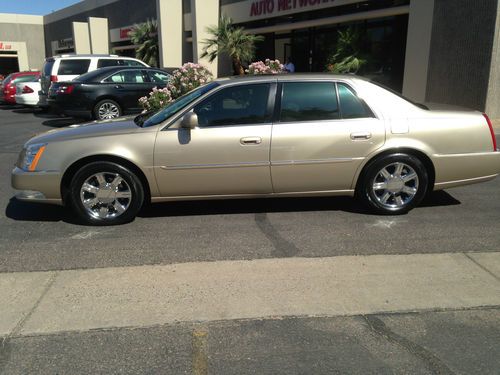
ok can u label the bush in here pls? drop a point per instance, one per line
(267, 67)
(185, 79)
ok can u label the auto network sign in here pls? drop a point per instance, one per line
(250, 10)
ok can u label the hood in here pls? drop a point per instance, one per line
(123, 125)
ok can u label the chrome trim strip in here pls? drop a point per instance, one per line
(211, 166)
(487, 153)
(467, 181)
(314, 161)
(325, 193)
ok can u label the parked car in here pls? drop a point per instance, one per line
(261, 136)
(8, 86)
(106, 93)
(68, 67)
(27, 93)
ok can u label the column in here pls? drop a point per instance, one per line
(205, 13)
(99, 35)
(418, 46)
(170, 32)
(81, 38)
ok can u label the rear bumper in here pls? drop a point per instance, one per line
(27, 100)
(37, 186)
(464, 169)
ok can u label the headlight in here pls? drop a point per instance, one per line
(30, 156)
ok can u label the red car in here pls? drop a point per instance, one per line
(8, 86)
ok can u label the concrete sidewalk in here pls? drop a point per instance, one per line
(80, 300)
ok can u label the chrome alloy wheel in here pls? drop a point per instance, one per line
(108, 111)
(105, 195)
(395, 185)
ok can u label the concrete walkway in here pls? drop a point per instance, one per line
(80, 300)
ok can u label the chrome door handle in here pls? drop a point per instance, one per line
(361, 136)
(251, 141)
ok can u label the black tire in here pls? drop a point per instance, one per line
(130, 185)
(109, 102)
(393, 195)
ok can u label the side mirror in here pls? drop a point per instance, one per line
(190, 120)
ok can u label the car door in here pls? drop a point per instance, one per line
(128, 86)
(228, 153)
(318, 143)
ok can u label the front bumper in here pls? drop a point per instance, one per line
(43, 186)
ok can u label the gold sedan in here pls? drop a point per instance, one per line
(263, 136)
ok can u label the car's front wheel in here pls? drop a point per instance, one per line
(106, 193)
(107, 109)
(393, 184)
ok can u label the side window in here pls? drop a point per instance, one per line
(72, 67)
(158, 77)
(235, 106)
(126, 76)
(102, 63)
(132, 63)
(309, 101)
(350, 105)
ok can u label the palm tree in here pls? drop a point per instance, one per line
(348, 57)
(145, 35)
(230, 40)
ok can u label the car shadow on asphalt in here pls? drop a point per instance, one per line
(270, 205)
(27, 211)
(30, 211)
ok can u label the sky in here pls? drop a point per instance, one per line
(40, 7)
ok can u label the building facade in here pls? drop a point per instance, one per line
(430, 50)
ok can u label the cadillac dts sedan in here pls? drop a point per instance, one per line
(262, 136)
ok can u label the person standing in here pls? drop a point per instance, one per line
(289, 67)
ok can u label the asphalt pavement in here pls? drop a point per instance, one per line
(40, 241)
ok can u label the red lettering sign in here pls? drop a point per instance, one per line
(5, 46)
(124, 33)
(268, 7)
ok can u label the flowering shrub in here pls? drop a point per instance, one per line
(184, 79)
(267, 67)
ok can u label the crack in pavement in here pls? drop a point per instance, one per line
(434, 364)
(5, 348)
(282, 247)
(481, 266)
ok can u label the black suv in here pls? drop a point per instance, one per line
(106, 93)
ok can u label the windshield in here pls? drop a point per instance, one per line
(176, 106)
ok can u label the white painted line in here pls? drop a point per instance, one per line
(150, 295)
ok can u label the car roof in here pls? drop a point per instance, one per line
(98, 74)
(74, 56)
(286, 77)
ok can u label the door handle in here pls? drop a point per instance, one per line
(119, 87)
(361, 136)
(251, 141)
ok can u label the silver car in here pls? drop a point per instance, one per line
(261, 136)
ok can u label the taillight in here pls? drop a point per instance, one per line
(65, 89)
(494, 140)
(27, 90)
(53, 78)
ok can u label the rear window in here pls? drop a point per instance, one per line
(26, 78)
(73, 67)
(351, 106)
(47, 68)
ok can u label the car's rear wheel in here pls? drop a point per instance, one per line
(393, 184)
(107, 109)
(106, 193)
